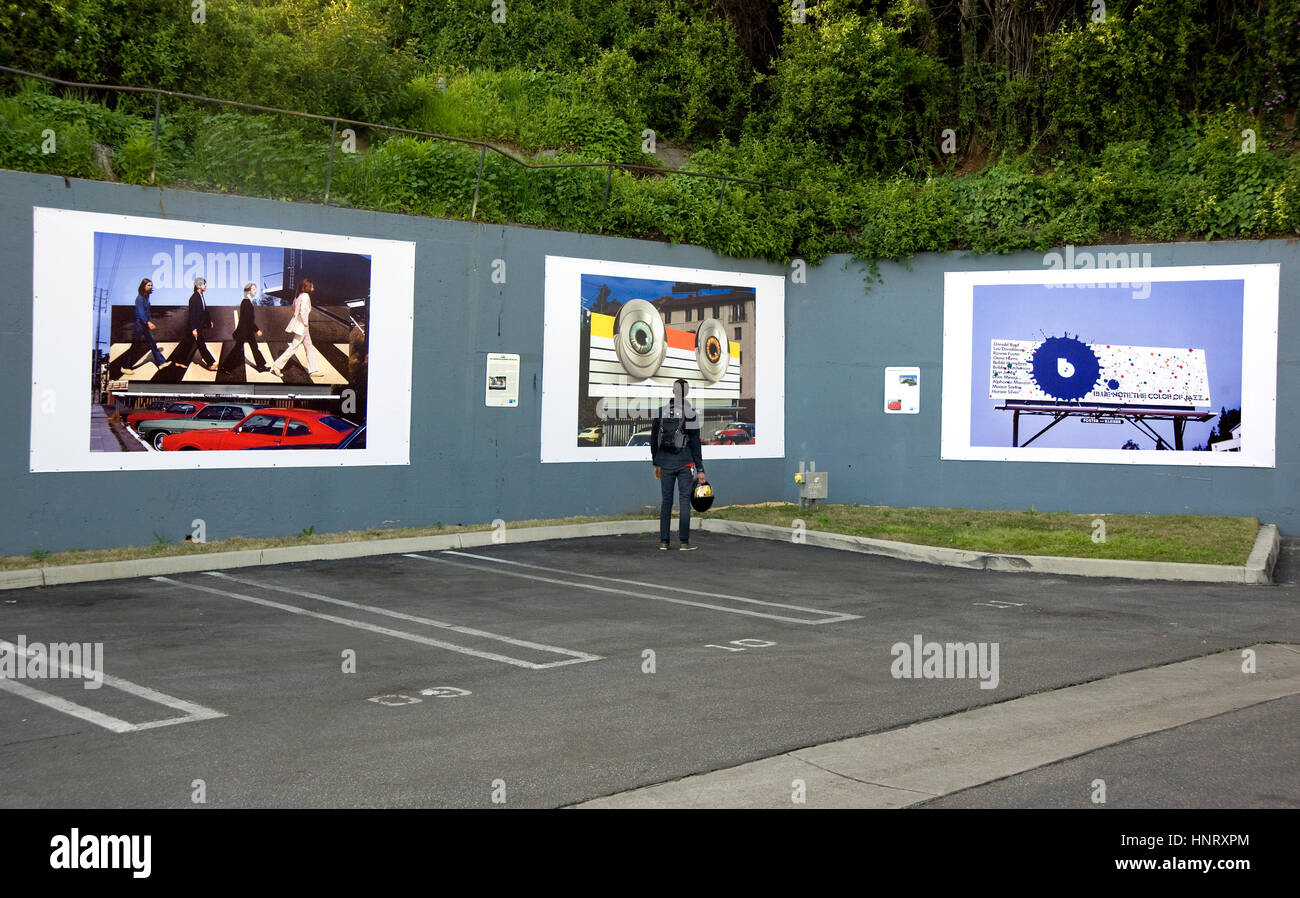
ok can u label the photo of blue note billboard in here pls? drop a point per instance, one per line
(1086, 371)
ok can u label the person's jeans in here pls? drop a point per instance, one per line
(682, 478)
(142, 345)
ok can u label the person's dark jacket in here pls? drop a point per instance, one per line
(200, 320)
(143, 314)
(247, 327)
(690, 453)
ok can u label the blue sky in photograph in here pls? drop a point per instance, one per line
(622, 289)
(1204, 315)
(123, 260)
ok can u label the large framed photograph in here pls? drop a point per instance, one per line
(619, 334)
(1165, 366)
(216, 346)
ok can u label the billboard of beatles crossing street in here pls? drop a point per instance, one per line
(207, 341)
(617, 337)
(1165, 366)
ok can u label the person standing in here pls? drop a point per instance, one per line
(358, 364)
(300, 327)
(200, 322)
(246, 334)
(142, 339)
(675, 451)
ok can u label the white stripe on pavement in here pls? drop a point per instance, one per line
(830, 617)
(192, 711)
(384, 631)
(469, 631)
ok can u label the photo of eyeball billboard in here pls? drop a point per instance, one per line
(1167, 366)
(210, 346)
(619, 334)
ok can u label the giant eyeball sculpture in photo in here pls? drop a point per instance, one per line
(711, 351)
(639, 338)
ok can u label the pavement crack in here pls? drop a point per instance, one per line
(40, 738)
(862, 781)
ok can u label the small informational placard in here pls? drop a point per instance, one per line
(902, 391)
(502, 387)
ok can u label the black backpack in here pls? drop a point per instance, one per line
(672, 434)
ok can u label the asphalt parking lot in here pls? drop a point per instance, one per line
(548, 674)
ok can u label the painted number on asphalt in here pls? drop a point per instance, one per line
(739, 645)
(397, 699)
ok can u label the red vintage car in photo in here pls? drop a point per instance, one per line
(734, 436)
(172, 410)
(269, 428)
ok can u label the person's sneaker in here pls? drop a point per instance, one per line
(663, 546)
(686, 547)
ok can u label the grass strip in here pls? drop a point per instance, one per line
(1198, 539)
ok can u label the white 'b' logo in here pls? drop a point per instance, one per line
(1064, 368)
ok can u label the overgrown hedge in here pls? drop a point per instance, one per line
(1199, 184)
(903, 126)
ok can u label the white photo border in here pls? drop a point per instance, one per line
(560, 353)
(63, 327)
(1258, 364)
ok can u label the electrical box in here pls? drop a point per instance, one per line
(815, 485)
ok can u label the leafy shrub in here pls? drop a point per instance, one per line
(25, 136)
(405, 174)
(849, 84)
(696, 83)
(259, 155)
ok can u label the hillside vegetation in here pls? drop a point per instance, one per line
(904, 126)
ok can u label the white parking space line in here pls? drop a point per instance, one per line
(574, 657)
(192, 711)
(374, 609)
(828, 617)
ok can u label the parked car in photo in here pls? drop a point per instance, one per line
(590, 435)
(213, 416)
(735, 425)
(640, 438)
(732, 437)
(355, 440)
(269, 428)
(170, 410)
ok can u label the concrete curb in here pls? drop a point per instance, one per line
(1258, 569)
(181, 564)
(1268, 545)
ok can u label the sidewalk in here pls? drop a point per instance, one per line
(918, 763)
(102, 438)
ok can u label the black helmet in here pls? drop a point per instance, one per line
(702, 497)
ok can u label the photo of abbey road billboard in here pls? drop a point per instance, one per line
(617, 337)
(1149, 366)
(218, 340)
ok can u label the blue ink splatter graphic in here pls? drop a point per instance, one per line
(1078, 355)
